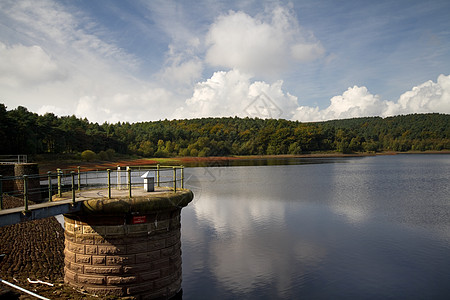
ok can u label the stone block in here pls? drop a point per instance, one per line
(75, 248)
(151, 275)
(156, 244)
(160, 263)
(172, 240)
(139, 288)
(87, 229)
(112, 250)
(78, 229)
(70, 275)
(105, 291)
(70, 256)
(120, 260)
(137, 248)
(115, 230)
(164, 282)
(98, 260)
(91, 249)
(77, 268)
(69, 227)
(84, 239)
(148, 256)
(110, 270)
(83, 259)
(118, 280)
(161, 225)
(99, 230)
(168, 271)
(100, 240)
(138, 228)
(94, 280)
(69, 236)
(166, 252)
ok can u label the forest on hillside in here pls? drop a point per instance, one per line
(25, 132)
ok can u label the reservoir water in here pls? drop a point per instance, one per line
(339, 228)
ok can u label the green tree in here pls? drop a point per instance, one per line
(88, 155)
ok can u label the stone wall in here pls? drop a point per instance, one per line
(34, 192)
(109, 255)
(7, 170)
(16, 186)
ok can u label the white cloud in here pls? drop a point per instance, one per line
(427, 97)
(60, 111)
(233, 93)
(54, 58)
(181, 69)
(182, 72)
(260, 45)
(354, 102)
(22, 66)
(359, 102)
(71, 67)
(141, 105)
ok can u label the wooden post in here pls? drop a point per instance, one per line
(1, 192)
(157, 175)
(182, 177)
(174, 179)
(109, 183)
(79, 178)
(50, 186)
(25, 191)
(73, 186)
(59, 182)
(129, 182)
(119, 177)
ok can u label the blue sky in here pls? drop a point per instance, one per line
(149, 60)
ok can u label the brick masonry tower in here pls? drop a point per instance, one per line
(126, 247)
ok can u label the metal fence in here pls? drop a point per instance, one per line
(13, 159)
(41, 188)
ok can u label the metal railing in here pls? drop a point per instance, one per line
(45, 187)
(13, 159)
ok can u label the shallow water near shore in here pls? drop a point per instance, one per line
(365, 227)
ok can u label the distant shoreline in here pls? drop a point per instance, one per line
(52, 166)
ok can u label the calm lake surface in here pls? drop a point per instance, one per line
(339, 228)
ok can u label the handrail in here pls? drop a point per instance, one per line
(70, 180)
(13, 159)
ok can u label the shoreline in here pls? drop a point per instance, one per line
(45, 166)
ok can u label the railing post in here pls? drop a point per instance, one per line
(157, 175)
(119, 177)
(128, 173)
(129, 182)
(174, 179)
(73, 185)
(1, 192)
(182, 177)
(109, 183)
(25, 191)
(79, 178)
(59, 182)
(50, 192)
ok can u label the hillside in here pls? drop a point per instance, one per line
(25, 132)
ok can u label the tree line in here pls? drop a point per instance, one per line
(25, 132)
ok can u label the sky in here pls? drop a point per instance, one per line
(141, 60)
